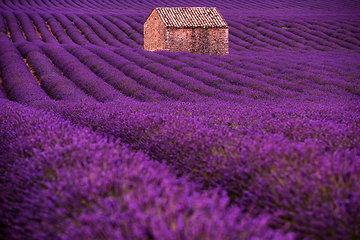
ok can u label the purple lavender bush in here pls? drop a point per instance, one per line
(64, 182)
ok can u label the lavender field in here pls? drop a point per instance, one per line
(100, 139)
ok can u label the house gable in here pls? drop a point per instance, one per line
(154, 32)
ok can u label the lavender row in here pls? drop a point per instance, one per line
(253, 74)
(86, 30)
(100, 31)
(293, 35)
(237, 44)
(117, 31)
(335, 69)
(52, 81)
(288, 159)
(244, 40)
(85, 186)
(335, 30)
(71, 30)
(5, 7)
(42, 28)
(130, 28)
(144, 77)
(16, 33)
(316, 36)
(264, 37)
(276, 37)
(113, 76)
(313, 81)
(56, 29)
(350, 26)
(3, 27)
(188, 83)
(280, 34)
(28, 28)
(107, 4)
(319, 81)
(139, 18)
(17, 80)
(229, 76)
(253, 37)
(2, 91)
(31, 4)
(83, 4)
(82, 76)
(133, 23)
(46, 6)
(195, 73)
(339, 65)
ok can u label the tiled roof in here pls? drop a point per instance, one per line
(192, 17)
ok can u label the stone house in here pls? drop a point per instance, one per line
(194, 29)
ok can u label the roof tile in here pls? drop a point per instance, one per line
(192, 17)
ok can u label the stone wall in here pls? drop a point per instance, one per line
(219, 39)
(213, 41)
(154, 33)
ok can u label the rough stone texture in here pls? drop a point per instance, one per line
(198, 40)
(207, 39)
(154, 33)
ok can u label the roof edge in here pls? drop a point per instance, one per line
(189, 27)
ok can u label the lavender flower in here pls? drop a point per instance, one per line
(100, 139)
